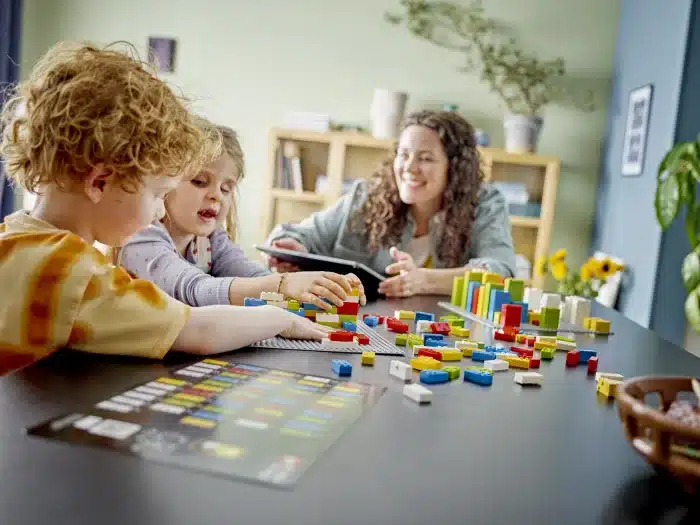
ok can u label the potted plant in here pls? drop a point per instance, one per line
(584, 282)
(676, 181)
(524, 83)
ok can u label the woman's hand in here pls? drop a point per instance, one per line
(285, 243)
(410, 280)
(310, 287)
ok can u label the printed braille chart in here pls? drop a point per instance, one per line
(228, 419)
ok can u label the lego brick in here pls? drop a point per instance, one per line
(458, 331)
(566, 346)
(348, 308)
(547, 353)
(502, 354)
(400, 370)
(550, 300)
(251, 301)
(367, 358)
(271, 296)
(520, 339)
(405, 315)
(413, 339)
(522, 351)
(428, 352)
(551, 339)
(467, 347)
(497, 300)
(539, 345)
(370, 320)
(352, 299)
(355, 291)
(609, 375)
(580, 309)
(500, 335)
(434, 377)
(424, 316)
(593, 365)
(344, 318)
(418, 393)
(497, 317)
(491, 278)
(400, 340)
(433, 337)
(471, 294)
(485, 297)
(474, 275)
(549, 317)
(423, 326)
(528, 378)
(585, 355)
(311, 307)
(299, 312)
(341, 335)
(293, 304)
(511, 314)
(440, 328)
(327, 318)
(456, 323)
(394, 325)
(534, 362)
(496, 365)
(341, 367)
(279, 304)
(349, 326)
(457, 291)
(452, 372)
(425, 363)
(362, 339)
(479, 376)
(450, 354)
(435, 343)
(474, 303)
(517, 362)
(532, 297)
(481, 355)
(516, 288)
(607, 387)
(572, 358)
(601, 326)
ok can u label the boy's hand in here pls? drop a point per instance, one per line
(285, 243)
(302, 328)
(310, 287)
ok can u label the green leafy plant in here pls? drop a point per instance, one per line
(676, 180)
(524, 83)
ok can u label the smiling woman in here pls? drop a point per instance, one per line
(423, 218)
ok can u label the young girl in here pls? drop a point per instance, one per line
(190, 253)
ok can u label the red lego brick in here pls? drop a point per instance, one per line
(348, 309)
(511, 314)
(396, 326)
(500, 335)
(430, 353)
(440, 328)
(534, 362)
(341, 335)
(475, 300)
(536, 322)
(522, 351)
(530, 341)
(593, 365)
(362, 339)
(572, 358)
(381, 319)
(510, 330)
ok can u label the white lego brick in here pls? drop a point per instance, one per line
(580, 309)
(532, 297)
(280, 304)
(496, 365)
(352, 299)
(565, 313)
(423, 326)
(271, 296)
(327, 318)
(400, 370)
(609, 375)
(528, 378)
(417, 393)
(339, 344)
(461, 345)
(550, 300)
(567, 346)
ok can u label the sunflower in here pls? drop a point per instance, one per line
(559, 270)
(609, 267)
(558, 257)
(540, 266)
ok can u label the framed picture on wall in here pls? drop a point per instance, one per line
(633, 150)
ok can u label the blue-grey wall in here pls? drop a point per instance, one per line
(651, 48)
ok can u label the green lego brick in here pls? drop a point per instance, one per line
(293, 304)
(348, 317)
(400, 340)
(567, 339)
(452, 372)
(516, 288)
(481, 345)
(457, 291)
(547, 353)
(456, 322)
(549, 318)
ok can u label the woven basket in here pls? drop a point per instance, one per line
(658, 438)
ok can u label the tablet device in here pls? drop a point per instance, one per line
(312, 262)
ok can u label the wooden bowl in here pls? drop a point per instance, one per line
(658, 438)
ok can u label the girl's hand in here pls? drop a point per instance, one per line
(410, 280)
(310, 287)
(285, 243)
(303, 328)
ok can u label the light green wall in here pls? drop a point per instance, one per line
(248, 62)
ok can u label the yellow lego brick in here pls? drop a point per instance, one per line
(213, 382)
(473, 276)
(450, 354)
(601, 326)
(490, 277)
(189, 397)
(533, 316)
(567, 339)
(179, 402)
(458, 331)
(517, 362)
(425, 363)
(215, 362)
(607, 387)
(198, 422)
(588, 323)
(171, 381)
(355, 292)
(467, 347)
(367, 358)
(520, 338)
(546, 339)
(497, 317)
(404, 315)
(540, 345)
(209, 388)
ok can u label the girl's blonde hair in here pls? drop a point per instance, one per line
(231, 146)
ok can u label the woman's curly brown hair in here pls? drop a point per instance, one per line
(383, 215)
(82, 107)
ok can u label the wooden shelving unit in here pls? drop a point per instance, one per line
(343, 156)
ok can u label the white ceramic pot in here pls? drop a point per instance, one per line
(387, 112)
(522, 132)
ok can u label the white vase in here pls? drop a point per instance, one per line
(387, 112)
(522, 132)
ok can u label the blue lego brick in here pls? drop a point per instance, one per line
(311, 306)
(433, 337)
(433, 377)
(471, 290)
(252, 301)
(349, 326)
(299, 312)
(496, 302)
(341, 367)
(482, 355)
(424, 316)
(480, 377)
(494, 348)
(371, 320)
(523, 318)
(434, 343)
(585, 355)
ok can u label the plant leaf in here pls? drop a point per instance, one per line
(692, 224)
(667, 200)
(690, 270)
(692, 309)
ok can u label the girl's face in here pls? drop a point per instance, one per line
(198, 206)
(420, 167)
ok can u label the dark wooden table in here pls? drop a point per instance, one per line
(498, 455)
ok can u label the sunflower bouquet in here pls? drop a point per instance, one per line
(584, 282)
